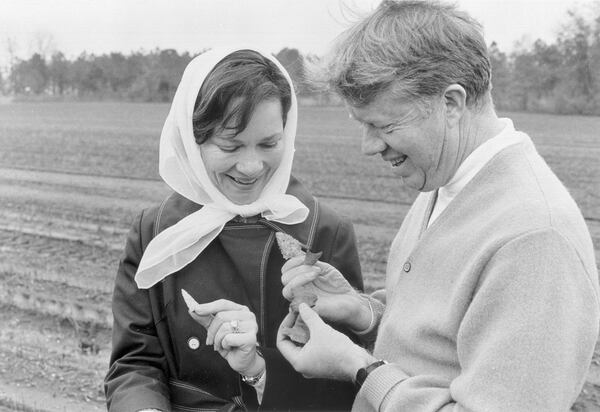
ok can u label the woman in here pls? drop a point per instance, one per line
(226, 150)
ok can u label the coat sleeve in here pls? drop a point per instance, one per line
(287, 388)
(136, 378)
(344, 254)
(524, 344)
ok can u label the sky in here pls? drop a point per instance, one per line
(103, 26)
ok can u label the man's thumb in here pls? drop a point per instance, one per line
(309, 316)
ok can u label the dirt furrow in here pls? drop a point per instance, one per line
(61, 237)
(50, 363)
(74, 263)
(55, 298)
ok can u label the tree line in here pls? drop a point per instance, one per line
(149, 77)
(559, 77)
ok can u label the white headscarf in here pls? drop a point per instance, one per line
(182, 168)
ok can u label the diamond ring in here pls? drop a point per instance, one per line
(235, 326)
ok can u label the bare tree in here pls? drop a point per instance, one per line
(12, 52)
(44, 44)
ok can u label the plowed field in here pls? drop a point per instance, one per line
(73, 176)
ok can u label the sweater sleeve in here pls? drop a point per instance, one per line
(377, 306)
(135, 379)
(524, 344)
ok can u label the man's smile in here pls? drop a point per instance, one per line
(398, 161)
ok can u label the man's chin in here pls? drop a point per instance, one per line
(411, 183)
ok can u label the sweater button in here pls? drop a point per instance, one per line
(406, 267)
(193, 343)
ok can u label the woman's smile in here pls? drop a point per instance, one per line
(244, 182)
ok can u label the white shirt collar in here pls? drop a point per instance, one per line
(473, 164)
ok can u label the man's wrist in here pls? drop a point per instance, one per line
(361, 314)
(359, 359)
(363, 373)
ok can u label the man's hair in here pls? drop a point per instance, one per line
(415, 48)
(245, 75)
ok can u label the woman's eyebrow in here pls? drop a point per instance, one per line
(235, 139)
(273, 136)
(226, 139)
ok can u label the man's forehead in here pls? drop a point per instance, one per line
(386, 107)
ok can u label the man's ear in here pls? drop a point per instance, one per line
(455, 99)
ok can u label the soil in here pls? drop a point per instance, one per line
(51, 364)
(58, 259)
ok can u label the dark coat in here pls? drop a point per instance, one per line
(153, 364)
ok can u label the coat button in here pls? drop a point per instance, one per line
(193, 343)
(406, 267)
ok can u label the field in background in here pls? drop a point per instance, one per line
(73, 176)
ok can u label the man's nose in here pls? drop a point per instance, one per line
(371, 142)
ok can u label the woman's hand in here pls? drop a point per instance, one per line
(337, 300)
(232, 333)
(327, 354)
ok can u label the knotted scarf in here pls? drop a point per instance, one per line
(182, 168)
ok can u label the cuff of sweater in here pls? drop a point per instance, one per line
(377, 307)
(379, 383)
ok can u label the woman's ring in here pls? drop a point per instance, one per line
(235, 326)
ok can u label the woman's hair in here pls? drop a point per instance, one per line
(233, 89)
(414, 48)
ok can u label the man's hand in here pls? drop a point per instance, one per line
(337, 301)
(327, 354)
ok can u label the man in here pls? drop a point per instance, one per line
(491, 300)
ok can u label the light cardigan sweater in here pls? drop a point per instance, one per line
(473, 164)
(494, 306)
